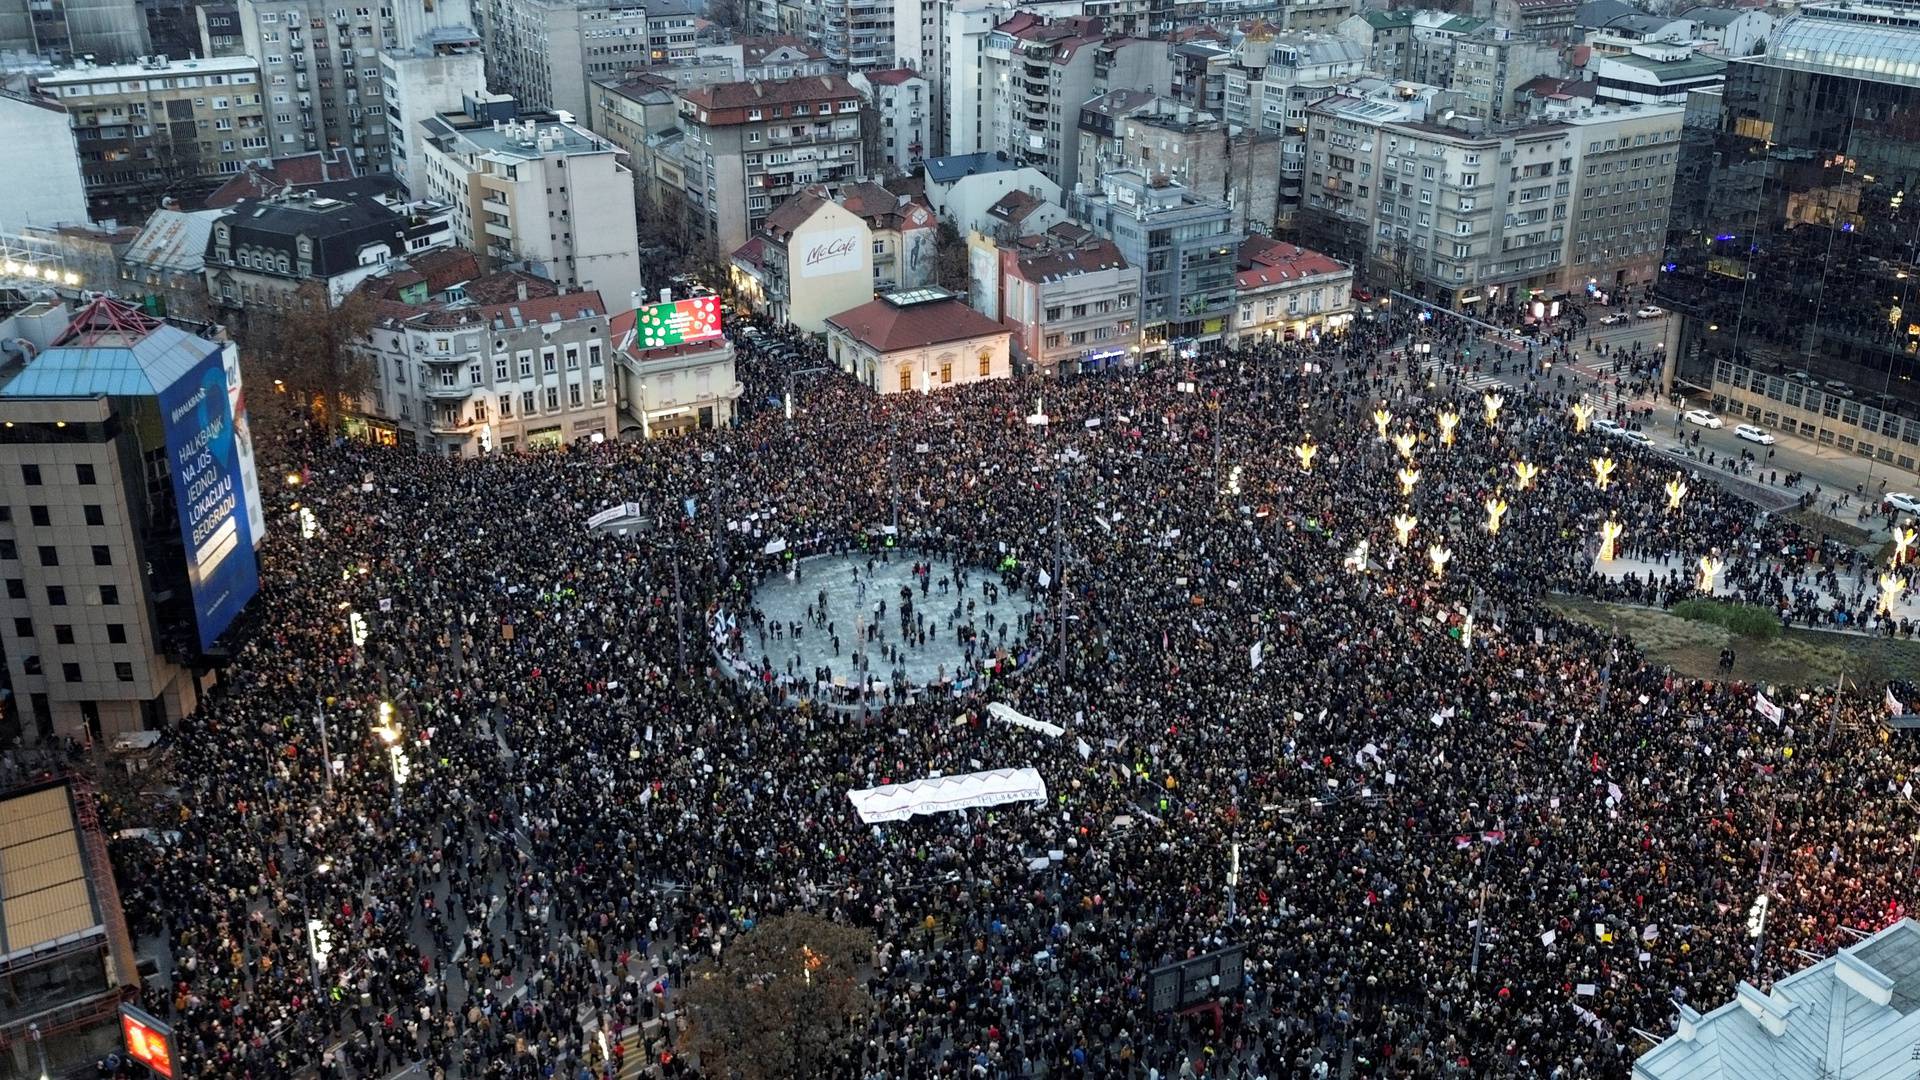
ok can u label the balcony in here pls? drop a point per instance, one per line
(448, 393)
(443, 426)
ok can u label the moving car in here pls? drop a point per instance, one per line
(1606, 426)
(1638, 438)
(1754, 434)
(1649, 312)
(1902, 501)
(1703, 418)
(1611, 320)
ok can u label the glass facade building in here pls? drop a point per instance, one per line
(1791, 257)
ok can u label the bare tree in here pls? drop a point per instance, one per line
(950, 267)
(785, 999)
(303, 359)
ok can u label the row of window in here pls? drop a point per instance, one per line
(104, 596)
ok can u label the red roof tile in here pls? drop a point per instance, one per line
(757, 92)
(885, 327)
(893, 77)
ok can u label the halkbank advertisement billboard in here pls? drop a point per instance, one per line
(210, 457)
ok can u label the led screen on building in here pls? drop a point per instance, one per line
(209, 462)
(677, 322)
(149, 1041)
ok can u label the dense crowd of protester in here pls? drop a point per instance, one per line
(1485, 848)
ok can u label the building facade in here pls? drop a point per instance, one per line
(1627, 158)
(49, 186)
(1793, 283)
(261, 254)
(918, 340)
(463, 379)
(674, 389)
(1071, 302)
(1284, 292)
(1185, 248)
(320, 71)
(546, 53)
(899, 100)
(431, 78)
(537, 194)
(818, 260)
(161, 126)
(752, 144)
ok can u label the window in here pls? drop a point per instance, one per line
(31, 665)
(70, 671)
(9, 550)
(63, 633)
(473, 375)
(500, 371)
(91, 512)
(547, 361)
(109, 595)
(946, 372)
(553, 399)
(22, 627)
(526, 365)
(506, 405)
(1054, 313)
(49, 555)
(599, 391)
(573, 358)
(593, 355)
(573, 395)
(986, 364)
(56, 596)
(30, 474)
(102, 555)
(84, 473)
(16, 588)
(906, 378)
(117, 633)
(526, 401)
(123, 671)
(39, 516)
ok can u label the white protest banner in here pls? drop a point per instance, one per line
(1085, 750)
(1894, 705)
(1005, 713)
(1766, 708)
(1549, 938)
(774, 547)
(936, 795)
(1257, 654)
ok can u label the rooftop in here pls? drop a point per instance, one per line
(1851, 1015)
(1877, 42)
(1695, 66)
(155, 68)
(173, 240)
(1267, 262)
(945, 170)
(1067, 261)
(912, 319)
(530, 139)
(757, 92)
(110, 348)
(892, 76)
(44, 892)
(1713, 16)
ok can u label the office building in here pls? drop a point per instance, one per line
(459, 378)
(69, 960)
(128, 551)
(749, 145)
(1793, 285)
(48, 186)
(1654, 74)
(537, 194)
(1184, 246)
(899, 100)
(161, 127)
(917, 339)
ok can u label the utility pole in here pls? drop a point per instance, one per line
(326, 755)
(1060, 571)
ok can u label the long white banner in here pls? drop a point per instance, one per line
(1006, 714)
(938, 795)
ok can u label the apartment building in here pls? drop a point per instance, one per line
(749, 145)
(1627, 162)
(161, 126)
(320, 70)
(1491, 64)
(1038, 74)
(463, 379)
(1465, 218)
(61, 31)
(538, 194)
(899, 100)
(1277, 75)
(943, 40)
(1245, 167)
(748, 58)
(546, 53)
(1185, 248)
(1071, 300)
(1545, 20)
(434, 76)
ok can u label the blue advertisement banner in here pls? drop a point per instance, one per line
(204, 455)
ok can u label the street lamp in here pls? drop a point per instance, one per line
(1581, 412)
(1305, 452)
(1439, 556)
(1403, 442)
(1492, 404)
(1709, 569)
(1891, 586)
(1381, 418)
(1403, 528)
(1676, 490)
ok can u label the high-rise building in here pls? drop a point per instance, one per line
(104, 31)
(538, 194)
(546, 53)
(434, 76)
(161, 127)
(1794, 284)
(899, 97)
(129, 464)
(1185, 247)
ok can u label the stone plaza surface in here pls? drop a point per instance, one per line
(855, 586)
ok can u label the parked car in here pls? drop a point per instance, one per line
(1607, 426)
(1703, 418)
(1638, 438)
(1612, 320)
(1901, 501)
(1754, 434)
(1835, 386)
(1649, 312)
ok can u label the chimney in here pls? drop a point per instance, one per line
(520, 289)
